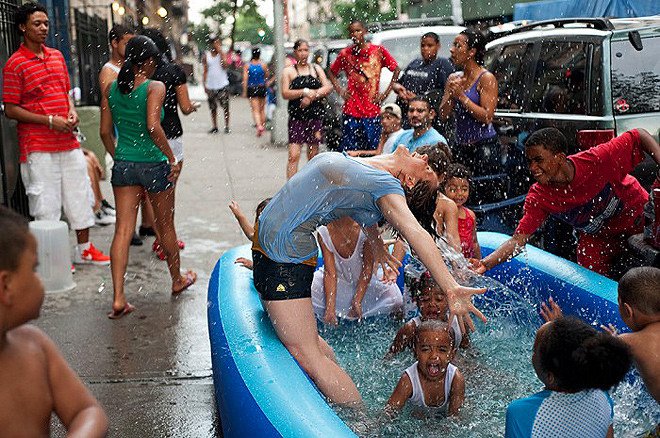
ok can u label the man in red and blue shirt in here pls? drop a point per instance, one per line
(362, 63)
(53, 167)
(591, 191)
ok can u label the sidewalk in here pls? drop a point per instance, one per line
(152, 369)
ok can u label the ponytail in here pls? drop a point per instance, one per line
(126, 77)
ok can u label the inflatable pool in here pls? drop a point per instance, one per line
(261, 390)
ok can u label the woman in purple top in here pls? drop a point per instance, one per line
(471, 95)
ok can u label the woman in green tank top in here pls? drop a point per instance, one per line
(143, 161)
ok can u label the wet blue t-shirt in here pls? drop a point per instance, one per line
(332, 185)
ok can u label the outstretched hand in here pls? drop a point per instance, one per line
(477, 266)
(460, 306)
(388, 262)
(551, 312)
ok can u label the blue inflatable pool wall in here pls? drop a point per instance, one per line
(260, 389)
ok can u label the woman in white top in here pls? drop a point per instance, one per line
(346, 285)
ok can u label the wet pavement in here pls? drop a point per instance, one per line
(151, 370)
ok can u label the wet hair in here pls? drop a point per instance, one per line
(457, 170)
(421, 200)
(299, 43)
(476, 40)
(640, 288)
(550, 138)
(417, 285)
(433, 35)
(13, 239)
(23, 13)
(157, 37)
(118, 31)
(260, 208)
(580, 357)
(439, 157)
(138, 50)
(421, 99)
(434, 325)
(256, 53)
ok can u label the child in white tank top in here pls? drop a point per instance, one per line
(432, 384)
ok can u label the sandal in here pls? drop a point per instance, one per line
(191, 278)
(117, 314)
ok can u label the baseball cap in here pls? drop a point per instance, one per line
(392, 108)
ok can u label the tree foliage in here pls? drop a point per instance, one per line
(367, 11)
(248, 27)
(201, 33)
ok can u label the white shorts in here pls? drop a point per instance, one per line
(176, 144)
(59, 179)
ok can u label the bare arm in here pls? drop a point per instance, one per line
(329, 283)
(510, 248)
(22, 115)
(326, 85)
(183, 98)
(401, 394)
(245, 78)
(223, 60)
(106, 128)
(288, 93)
(396, 212)
(363, 281)
(447, 210)
(485, 110)
(76, 407)
(243, 222)
(475, 242)
(457, 393)
(206, 72)
(402, 340)
(155, 99)
(335, 84)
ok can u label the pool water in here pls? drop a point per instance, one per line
(497, 368)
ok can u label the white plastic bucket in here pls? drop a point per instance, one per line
(54, 255)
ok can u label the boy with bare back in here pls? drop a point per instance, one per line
(35, 380)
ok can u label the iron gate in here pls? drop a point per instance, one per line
(92, 48)
(12, 192)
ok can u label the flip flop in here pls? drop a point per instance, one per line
(191, 277)
(117, 314)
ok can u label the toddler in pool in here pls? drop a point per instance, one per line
(457, 188)
(432, 384)
(432, 303)
(577, 365)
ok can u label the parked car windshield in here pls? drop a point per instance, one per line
(636, 77)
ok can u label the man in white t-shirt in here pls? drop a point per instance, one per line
(216, 82)
(390, 120)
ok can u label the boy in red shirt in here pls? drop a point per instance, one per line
(362, 64)
(53, 168)
(590, 190)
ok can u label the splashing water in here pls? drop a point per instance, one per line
(497, 367)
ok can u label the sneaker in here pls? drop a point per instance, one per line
(227, 130)
(91, 256)
(103, 219)
(107, 208)
(73, 269)
(213, 131)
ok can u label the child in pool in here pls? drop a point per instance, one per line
(432, 304)
(35, 379)
(577, 365)
(457, 188)
(432, 383)
(347, 285)
(246, 226)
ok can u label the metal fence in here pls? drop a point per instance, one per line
(92, 48)
(12, 192)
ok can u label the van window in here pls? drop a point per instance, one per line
(559, 84)
(403, 49)
(509, 69)
(636, 77)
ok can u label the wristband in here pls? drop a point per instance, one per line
(50, 122)
(305, 91)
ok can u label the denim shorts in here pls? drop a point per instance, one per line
(150, 175)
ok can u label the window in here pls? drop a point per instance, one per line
(403, 49)
(636, 77)
(560, 78)
(509, 69)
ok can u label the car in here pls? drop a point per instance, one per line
(592, 78)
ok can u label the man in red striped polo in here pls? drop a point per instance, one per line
(53, 168)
